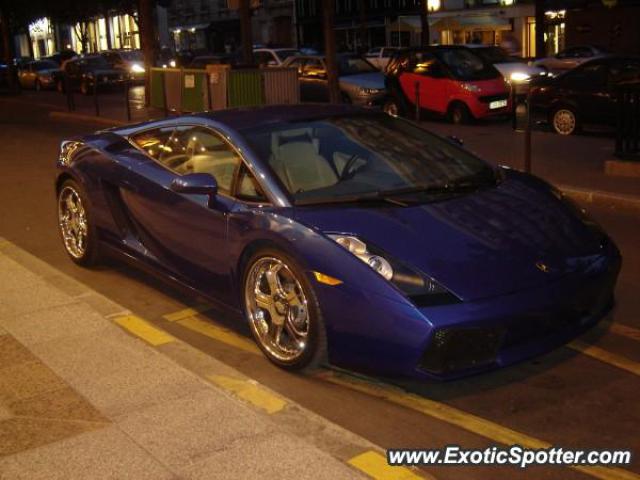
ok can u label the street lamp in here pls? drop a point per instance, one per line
(433, 5)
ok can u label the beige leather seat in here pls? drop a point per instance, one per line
(299, 164)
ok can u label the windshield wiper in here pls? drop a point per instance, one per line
(375, 197)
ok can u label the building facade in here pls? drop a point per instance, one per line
(213, 25)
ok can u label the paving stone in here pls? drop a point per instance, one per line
(23, 433)
(13, 352)
(15, 276)
(276, 456)
(115, 372)
(26, 380)
(19, 301)
(63, 404)
(54, 323)
(186, 430)
(5, 413)
(100, 455)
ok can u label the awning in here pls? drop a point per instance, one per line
(473, 23)
(409, 23)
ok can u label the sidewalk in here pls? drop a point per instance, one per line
(82, 398)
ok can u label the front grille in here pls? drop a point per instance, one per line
(454, 349)
(493, 98)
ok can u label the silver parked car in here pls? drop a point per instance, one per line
(570, 58)
(380, 56)
(360, 82)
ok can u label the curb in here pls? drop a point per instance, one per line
(603, 198)
(86, 118)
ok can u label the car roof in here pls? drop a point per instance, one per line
(252, 117)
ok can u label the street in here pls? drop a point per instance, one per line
(574, 397)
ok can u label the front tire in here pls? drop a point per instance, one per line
(76, 226)
(283, 312)
(459, 114)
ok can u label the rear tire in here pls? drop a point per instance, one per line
(76, 225)
(391, 107)
(459, 114)
(564, 120)
(291, 308)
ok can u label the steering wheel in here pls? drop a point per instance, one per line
(346, 171)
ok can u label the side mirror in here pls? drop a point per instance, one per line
(196, 184)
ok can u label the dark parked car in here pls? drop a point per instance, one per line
(39, 75)
(84, 73)
(130, 61)
(570, 58)
(360, 82)
(222, 59)
(62, 56)
(585, 95)
(342, 234)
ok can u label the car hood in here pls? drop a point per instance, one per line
(365, 80)
(488, 243)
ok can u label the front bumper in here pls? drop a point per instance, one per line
(481, 107)
(451, 341)
(375, 100)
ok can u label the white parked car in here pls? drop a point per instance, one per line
(513, 69)
(570, 58)
(273, 57)
(380, 56)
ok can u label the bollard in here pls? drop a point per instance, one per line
(417, 86)
(127, 86)
(527, 134)
(66, 82)
(514, 107)
(95, 97)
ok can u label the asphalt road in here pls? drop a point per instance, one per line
(565, 398)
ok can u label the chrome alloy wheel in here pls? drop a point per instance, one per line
(277, 309)
(564, 121)
(72, 219)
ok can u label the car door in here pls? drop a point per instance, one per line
(426, 78)
(185, 233)
(588, 88)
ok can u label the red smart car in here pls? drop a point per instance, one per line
(448, 81)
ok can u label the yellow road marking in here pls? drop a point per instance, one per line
(625, 331)
(606, 356)
(220, 334)
(187, 312)
(466, 421)
(144, 330)
(251, 392)
(376, 466)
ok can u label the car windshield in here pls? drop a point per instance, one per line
(284, 54)
(45, 65)
(131, 56)
(348, 65)
(97, 62)
(494, 55)
(466, 65)
(359, 157)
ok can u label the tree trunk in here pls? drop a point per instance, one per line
(541, 49)
(246, 35)
(328, 14)
(362, 10)
(107, 33)
(147, 42)
(425, 38)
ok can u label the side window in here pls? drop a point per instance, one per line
(594, 75)
(248, 188)
(153, 142)
(623, 73)
(200, 150)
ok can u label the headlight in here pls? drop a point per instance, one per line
(369, 91)
(470, 87)
(520, 77)
(412, 283)
(137, 68)
(172, 64)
